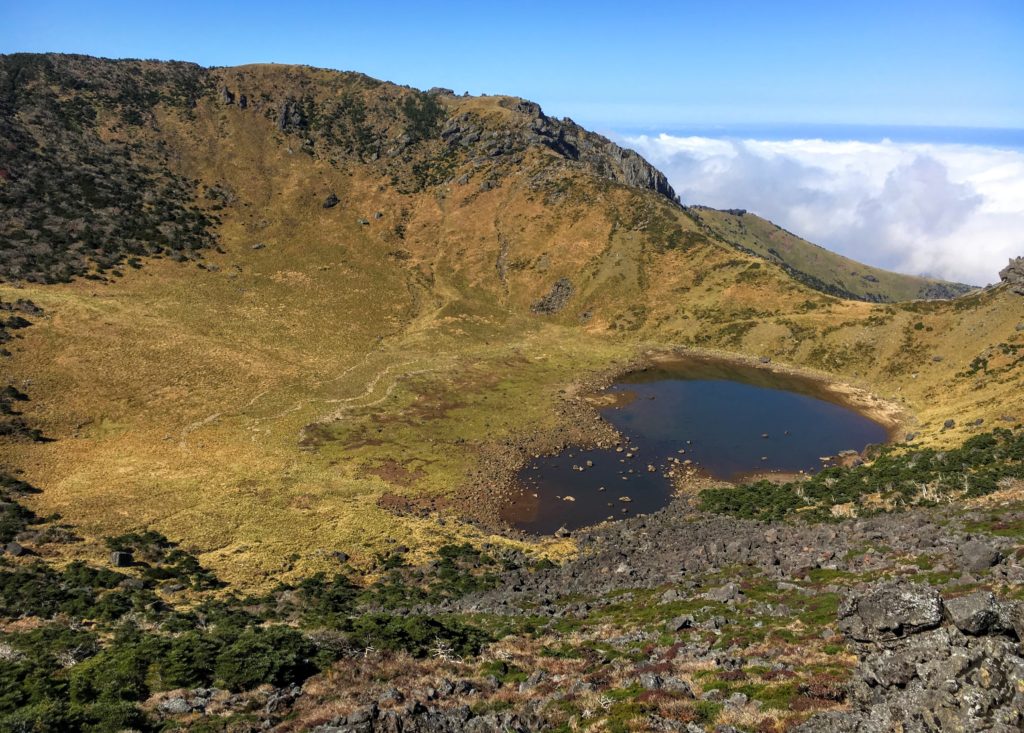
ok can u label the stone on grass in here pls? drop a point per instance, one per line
(890, 610)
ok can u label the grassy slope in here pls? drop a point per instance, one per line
(186, 413)
(778, 245)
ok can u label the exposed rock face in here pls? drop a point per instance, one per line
(555, 300)
(1013, 275)
(890, 611)
(292, 116)
(565, 138)
(943, 291)
(965, 676)
(976, 614)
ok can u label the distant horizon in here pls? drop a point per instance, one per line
(674, 64)
(775, 129)
(991, 135)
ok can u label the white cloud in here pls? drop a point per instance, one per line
(953, 211)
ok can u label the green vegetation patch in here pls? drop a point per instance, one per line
(897, 478)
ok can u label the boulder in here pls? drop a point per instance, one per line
(677, 686)
(890, 610)
(533, 680)
(671, 596)
(978, 555)
(727, 592)
(651, 681)
(975, 614)
(175, 706)
(331, 201)
(120, 559)
(679, 623)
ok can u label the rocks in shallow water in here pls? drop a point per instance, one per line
(890, 610)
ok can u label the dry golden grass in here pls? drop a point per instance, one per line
(179, 396)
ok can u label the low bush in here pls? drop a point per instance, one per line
(897, 478)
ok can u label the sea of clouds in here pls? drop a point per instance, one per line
(947, 210)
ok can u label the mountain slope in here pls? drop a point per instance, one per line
(363, 298)
(816, 266)
(278, 337)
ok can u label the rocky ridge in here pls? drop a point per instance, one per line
(1013, 275)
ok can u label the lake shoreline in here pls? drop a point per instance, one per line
(591, 396)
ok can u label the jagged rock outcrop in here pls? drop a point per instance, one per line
(292, 116)
(965, 675)
(556, 298)
(1013, 275)
(564, 137)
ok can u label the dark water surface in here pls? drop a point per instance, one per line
(714, 414)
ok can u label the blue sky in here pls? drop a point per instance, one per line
(607, 65)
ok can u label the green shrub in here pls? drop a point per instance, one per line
(417, 635)
(47, 716)
(276, 655)
(118, 673)
(902, 477)
(189, 661)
